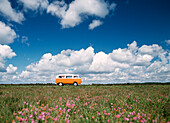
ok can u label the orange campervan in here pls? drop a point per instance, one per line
(68, 79)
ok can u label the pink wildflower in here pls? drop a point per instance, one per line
(117, 116)
(68, 103)
(56, 107)
(134, 118)
(68, 110)
(35, 112)
(68, 121)
(98, 113)
(39, 117)
(42, 113)
(55, 119)
(49, 109)
(26, 110)
(20, 112)
(144, 120)
(127, 119)
(30, 116)
(43, 118)
(60, 98)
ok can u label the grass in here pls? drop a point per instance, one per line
(126, 103)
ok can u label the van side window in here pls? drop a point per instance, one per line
(68, 76)
(76, 77)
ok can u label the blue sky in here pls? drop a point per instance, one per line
(37, 29)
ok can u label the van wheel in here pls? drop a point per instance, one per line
(75, 84)
(60, 84)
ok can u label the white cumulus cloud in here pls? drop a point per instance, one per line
(131, 55)
(131, 64)
(57, 8)
(148, 63)
(168, 42)
(8, 73)
(34, 4)
(11, 69)
(126, 55)
(70, 15)
(74, 13)
(7, 35)
(5, 52)
(95, 24)
(11, 14)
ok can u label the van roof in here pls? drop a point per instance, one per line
(67, 75)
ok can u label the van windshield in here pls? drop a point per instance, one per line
(61, 77)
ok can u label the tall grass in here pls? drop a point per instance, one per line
(133, 103)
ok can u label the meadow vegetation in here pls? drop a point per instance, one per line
(126, 103)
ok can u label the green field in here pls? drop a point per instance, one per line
(123, 103)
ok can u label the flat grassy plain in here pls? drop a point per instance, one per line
(123, 103)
